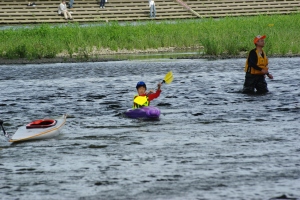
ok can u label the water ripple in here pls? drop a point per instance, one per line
(211, 142)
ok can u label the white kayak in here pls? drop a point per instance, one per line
(39, 129)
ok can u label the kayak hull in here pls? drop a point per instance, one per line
(147, 112)
(40, 132)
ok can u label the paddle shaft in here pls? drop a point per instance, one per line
(157, 86)
(167, 80)
(163, 81)
(1, 124)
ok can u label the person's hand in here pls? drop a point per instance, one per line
(158, 86)
(270, 76)
(264, 71)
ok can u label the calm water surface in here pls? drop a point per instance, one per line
(211, 142)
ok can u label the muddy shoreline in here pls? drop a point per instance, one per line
(113, 57)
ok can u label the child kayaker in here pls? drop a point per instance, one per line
(141, 89)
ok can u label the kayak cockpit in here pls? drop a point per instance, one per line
(41, 123)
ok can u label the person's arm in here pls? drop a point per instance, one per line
(152, 96)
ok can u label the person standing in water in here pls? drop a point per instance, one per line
(256, 68)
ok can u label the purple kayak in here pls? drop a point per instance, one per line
(147, 112)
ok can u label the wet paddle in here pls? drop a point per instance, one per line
(142, 99)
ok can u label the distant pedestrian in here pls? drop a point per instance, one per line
(152, 8)
(71, 4)
(62, 10)
(102, 3)
(256, 68)
(31, 4)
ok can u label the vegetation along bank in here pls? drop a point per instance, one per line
(230, 36)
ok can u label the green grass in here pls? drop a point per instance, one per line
(225, 36)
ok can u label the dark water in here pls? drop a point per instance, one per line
(212, 142)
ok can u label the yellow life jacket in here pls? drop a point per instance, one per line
(135, 105)
(262, 62)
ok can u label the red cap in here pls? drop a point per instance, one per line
(259, 37)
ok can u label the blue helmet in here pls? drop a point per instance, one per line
(141, 84)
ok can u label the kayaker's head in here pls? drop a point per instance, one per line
(141, 87)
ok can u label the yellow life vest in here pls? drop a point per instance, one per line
(135, 105)
(262, 62)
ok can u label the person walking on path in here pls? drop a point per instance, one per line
(62, 10)
(152, 8)
(256, 69)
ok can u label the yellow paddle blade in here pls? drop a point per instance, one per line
(168, 78)
(140, 100)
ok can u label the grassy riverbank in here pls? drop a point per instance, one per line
(229, 36)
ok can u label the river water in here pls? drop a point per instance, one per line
(211, 142)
